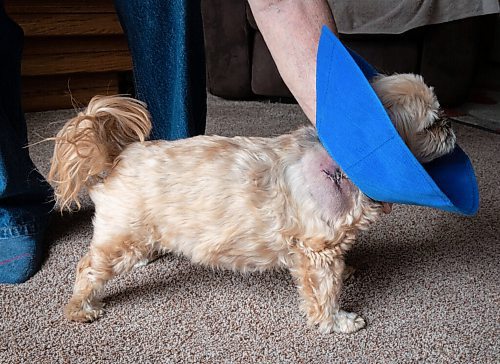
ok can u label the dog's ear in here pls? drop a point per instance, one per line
(395, 99)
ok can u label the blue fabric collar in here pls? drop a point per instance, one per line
(355, 129)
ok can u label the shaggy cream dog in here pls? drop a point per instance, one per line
(245, 204)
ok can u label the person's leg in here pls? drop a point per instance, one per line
(291, 30)
(166, 42)
(24, 194)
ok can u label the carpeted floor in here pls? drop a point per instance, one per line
(427, 283)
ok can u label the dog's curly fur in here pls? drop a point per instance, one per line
(246, 204)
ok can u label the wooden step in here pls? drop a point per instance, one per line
(73, 50)
(81, 44)
(64, 18)
(60, 55)
(54, 64)
(67, 91)
(59, 6)
(36, 25)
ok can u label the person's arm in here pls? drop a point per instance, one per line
(291, 30)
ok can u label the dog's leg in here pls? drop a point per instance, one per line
(82, 306)
(98, 266)
(319, 281)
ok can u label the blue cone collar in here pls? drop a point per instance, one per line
(355, 129)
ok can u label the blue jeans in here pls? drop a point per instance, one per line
(25, 197)
(165, 39)
(166, 42)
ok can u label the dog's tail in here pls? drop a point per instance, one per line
(88, 144)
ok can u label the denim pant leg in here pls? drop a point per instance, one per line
(24, 194)
(165, 39)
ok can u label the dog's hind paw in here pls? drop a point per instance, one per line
(150, 259)
(348, 273)
(142, 263)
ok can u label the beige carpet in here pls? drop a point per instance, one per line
(427, 284)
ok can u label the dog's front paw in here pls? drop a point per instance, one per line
(342, 322)
(347, 322)
(79, 311)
